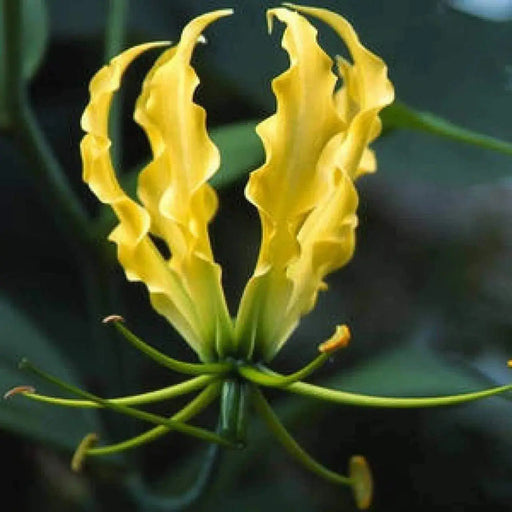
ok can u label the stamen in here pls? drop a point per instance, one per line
(347, 398)
(184, 428)
(362, 481)
(163, 359)
(81, 452)
(290, 445)
(19, 390)
(193, 408)
(339, 339)
(265, 377)
(509, 363)
(182, 388)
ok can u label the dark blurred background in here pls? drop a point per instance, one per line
(427, 295)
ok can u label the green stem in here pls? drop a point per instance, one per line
(114, 41)
(154, 502)
(193, 408)
(399, 115)
(169, 362)
(144, 398)
(343, 397)
(116, 27)
(52, 179)
(129, 411)
(291, 446)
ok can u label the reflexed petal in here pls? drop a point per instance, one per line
(173, 187)
(366, 90)
(136, 251)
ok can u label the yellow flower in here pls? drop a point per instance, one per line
(316, 145)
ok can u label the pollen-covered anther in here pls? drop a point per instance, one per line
(81, 452)
(361, 481)
(19, 390)
(509, 363)
(339, 339)
(112, 318)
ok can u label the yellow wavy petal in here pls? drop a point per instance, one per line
(365, 92)
(173, 186)
(316, 144)
(288, 185)
(327, 241)
(136, 252)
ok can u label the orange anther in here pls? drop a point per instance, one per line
(338, 340)
(17, 390)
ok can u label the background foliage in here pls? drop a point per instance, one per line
(427, 295)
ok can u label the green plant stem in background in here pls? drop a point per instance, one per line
(52, 180)
(399, 115)
(115, 36)
(116, 27)
(148, 500)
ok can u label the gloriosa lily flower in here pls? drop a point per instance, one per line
(316, 145)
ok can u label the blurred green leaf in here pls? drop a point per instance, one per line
(399, 115)
(35, 38)
(58, 426)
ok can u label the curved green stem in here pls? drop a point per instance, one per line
(193, 408)
(346, 398)
(143, 398)
(130, 411)
(265, 376)
(291, 446)
(45, 167)
(169, 362)
(151, 501)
